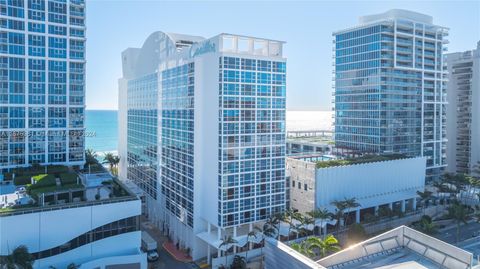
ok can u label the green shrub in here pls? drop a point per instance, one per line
(356, 233)
(22, 180)
(68, 178)
(44, 180)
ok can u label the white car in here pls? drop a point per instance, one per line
(152, 256)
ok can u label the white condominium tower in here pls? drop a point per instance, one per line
(42, 82)
(463, 122)
(204, 134)
(390, 87)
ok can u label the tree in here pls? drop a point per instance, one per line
(424, 197)
(19, 258)
(116, 161)
(324, 246)
(90, 157)
(385, 211)
(270, 228)
(109, 159)
(356, 233)
(350, 203)
(250, 235)
(305, 222)
(226, 242)
(426, 225)
(458, 213)
(322, 214)
(302, 248)
(340, 211)
(238, 263)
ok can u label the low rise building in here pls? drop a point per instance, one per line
(374, 181)
(61, 220)
(401, 247)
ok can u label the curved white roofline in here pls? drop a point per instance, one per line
(157, 47)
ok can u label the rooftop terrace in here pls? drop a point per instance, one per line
(54, 187)
(358, 160)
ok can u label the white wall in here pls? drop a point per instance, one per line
(371, 183)
(44, 230)
(122, 128)
(205, 148)
(119, 249)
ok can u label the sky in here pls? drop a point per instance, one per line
(306, 26)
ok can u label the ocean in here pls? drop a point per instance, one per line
(102, 126)
(101, 130)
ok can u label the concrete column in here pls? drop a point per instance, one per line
(403, 206)
(414, 204)
(209, 258)
(376, 210)
(390, 205)
(357, 216)
(250, 228)
(235, 235)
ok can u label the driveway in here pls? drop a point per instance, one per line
(165, 261)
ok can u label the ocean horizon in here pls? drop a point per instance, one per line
(102, 126)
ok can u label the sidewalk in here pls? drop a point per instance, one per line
(177, 254)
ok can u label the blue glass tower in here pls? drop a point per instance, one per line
(42, 82)
(390, 88)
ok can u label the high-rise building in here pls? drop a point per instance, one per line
(205, 134)
(42, 82)
(390, 87)
(463, 122)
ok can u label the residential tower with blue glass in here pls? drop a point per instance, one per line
(205, 135)
(42, 82)
(390, 87)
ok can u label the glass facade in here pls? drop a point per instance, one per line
(42, 82)
(390, 91)
(142, 118)
(177, 140)
(251, 141)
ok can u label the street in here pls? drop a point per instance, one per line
(449, 234)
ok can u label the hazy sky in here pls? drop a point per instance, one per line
(306, 26)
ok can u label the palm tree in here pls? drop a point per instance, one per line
(270, 227)
(458, 213)
(239, 262)
(306, 221)
(426, 226)
(424, 197)
(322, 214)
(90, 157)
(302, 248)
(226, 241)
(350, 203)
(324, 246)
(115, 161)
(19, 258)
(108, 158)
(340, 205)
(251, 234)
